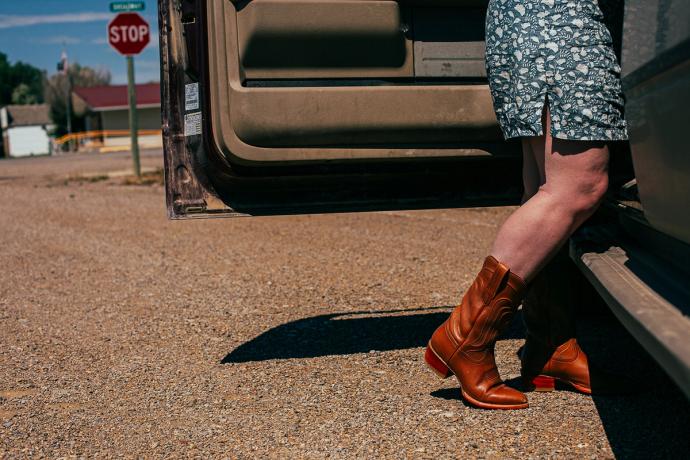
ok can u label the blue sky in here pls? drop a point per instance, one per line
(35, 31)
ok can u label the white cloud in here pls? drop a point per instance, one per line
(56, 40)
(9, 20)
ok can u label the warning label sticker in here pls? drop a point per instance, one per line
(192, 124)
(191, 96)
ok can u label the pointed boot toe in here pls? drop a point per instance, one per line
(501, 397)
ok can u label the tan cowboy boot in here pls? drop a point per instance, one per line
(464, 344)
(551, 351)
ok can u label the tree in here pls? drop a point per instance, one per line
(5, 80)
(56, 88)
(23, 79)
(22, 95)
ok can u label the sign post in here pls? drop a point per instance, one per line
(133, 119)
(129, 34)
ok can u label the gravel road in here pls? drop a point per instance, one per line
(124, 334)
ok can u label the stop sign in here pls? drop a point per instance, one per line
(128, 33)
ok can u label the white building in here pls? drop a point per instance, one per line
(24, 130)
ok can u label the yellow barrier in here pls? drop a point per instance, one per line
(103, 134)
(125, 148)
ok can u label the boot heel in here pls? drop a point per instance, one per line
(436, 364)
(543, 383)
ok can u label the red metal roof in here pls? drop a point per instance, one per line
(115, 96)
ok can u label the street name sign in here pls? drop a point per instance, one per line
(128, 33)
(123, 7)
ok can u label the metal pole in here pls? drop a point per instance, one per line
(133, 125)
(70, 145)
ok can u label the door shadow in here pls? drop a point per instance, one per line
(348, 333)
(652, 419)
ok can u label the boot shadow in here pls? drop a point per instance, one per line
(342, 334)
(349, 333)
(451, 394)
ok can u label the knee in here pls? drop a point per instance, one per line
(581, 197)
(588, 193)
(528, 193)
(529, 189)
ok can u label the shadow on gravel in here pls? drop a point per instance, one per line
(650, 422)
(451, 394)
(348, 333)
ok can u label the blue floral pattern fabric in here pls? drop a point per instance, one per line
(555, 52)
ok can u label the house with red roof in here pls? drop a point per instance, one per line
(107, 110)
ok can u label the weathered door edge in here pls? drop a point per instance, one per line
(189, 192)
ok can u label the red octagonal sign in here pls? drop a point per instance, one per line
(128, 33)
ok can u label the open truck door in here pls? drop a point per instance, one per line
(299, 106)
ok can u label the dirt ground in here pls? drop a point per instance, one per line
(125, 334)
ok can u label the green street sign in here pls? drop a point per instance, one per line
(122, 7)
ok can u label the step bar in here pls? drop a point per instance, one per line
(647, 295)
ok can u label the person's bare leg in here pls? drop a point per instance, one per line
(537, 146)
(531, 178)
(576, 174)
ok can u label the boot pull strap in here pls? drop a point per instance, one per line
(495, 282)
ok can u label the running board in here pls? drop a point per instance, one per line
(649, 297)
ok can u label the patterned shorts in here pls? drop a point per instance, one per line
(557, 52)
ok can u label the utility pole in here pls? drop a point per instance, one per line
(63, 68)
(69, 110)
(133, 121)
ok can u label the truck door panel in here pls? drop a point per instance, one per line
(310, 97)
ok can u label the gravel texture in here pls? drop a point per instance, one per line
(124, 334)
